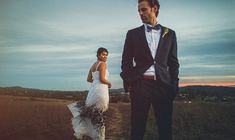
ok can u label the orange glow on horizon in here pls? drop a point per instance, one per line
(207, 84)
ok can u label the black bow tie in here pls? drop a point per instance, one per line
(156, 27)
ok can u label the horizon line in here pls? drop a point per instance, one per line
(180, 85)
(226, 84)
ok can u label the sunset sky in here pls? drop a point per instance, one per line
(51, 44)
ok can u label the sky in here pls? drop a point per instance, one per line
(51, 44)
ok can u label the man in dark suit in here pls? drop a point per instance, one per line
(150, 70)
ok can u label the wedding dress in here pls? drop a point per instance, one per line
(88, 119)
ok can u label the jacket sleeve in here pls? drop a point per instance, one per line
(127, 61)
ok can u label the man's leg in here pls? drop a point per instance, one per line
(140, 104)
(163, 107)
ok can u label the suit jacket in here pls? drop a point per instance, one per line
(165, 62)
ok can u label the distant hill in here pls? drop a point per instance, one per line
(57, 94)
(18, 89)
(199, 91)
(29, 92)
(120, 90)
(209, 90)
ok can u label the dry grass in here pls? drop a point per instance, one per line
(199, 121)
(27, 118)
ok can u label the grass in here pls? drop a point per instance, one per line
(199, 121)
(27, 118)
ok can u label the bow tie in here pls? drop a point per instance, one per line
(149, 28)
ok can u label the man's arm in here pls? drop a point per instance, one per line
(174, 64)
(127, 62)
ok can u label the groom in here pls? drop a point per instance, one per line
(150, 71)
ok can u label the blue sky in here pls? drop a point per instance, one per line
(51, 44)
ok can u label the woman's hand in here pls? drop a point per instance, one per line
(109, 85)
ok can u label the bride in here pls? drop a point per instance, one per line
(88, 119)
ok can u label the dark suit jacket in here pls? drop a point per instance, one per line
(165, 62)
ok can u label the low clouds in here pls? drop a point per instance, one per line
(208, 54)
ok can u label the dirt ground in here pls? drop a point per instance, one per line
(27, 118)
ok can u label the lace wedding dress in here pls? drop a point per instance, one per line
(88, 119)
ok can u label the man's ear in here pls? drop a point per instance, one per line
(155, 8)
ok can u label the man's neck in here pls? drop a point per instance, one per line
(154, 22)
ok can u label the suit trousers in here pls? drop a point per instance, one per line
(145, 93)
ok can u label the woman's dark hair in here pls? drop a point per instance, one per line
(100, 50)
(152, 3)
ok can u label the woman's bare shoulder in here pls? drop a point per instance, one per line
(101, 66)
(97, 65)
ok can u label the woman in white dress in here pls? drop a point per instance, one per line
(88, 119)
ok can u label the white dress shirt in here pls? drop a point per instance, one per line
(153, 38)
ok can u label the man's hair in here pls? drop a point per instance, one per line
(100, 50)
(152, 3)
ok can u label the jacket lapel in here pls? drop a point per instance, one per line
(160, 44)
(144, 42)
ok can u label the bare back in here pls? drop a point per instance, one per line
(95, 66)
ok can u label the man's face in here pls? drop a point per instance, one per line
(147, 13)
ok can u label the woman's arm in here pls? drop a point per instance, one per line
(89, 76)
(102, 69)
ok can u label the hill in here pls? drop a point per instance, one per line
(207, 93)
(116, 95)
(29, 92)
(209, 90)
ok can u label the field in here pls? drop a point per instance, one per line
(29, 118)
(200, 121)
